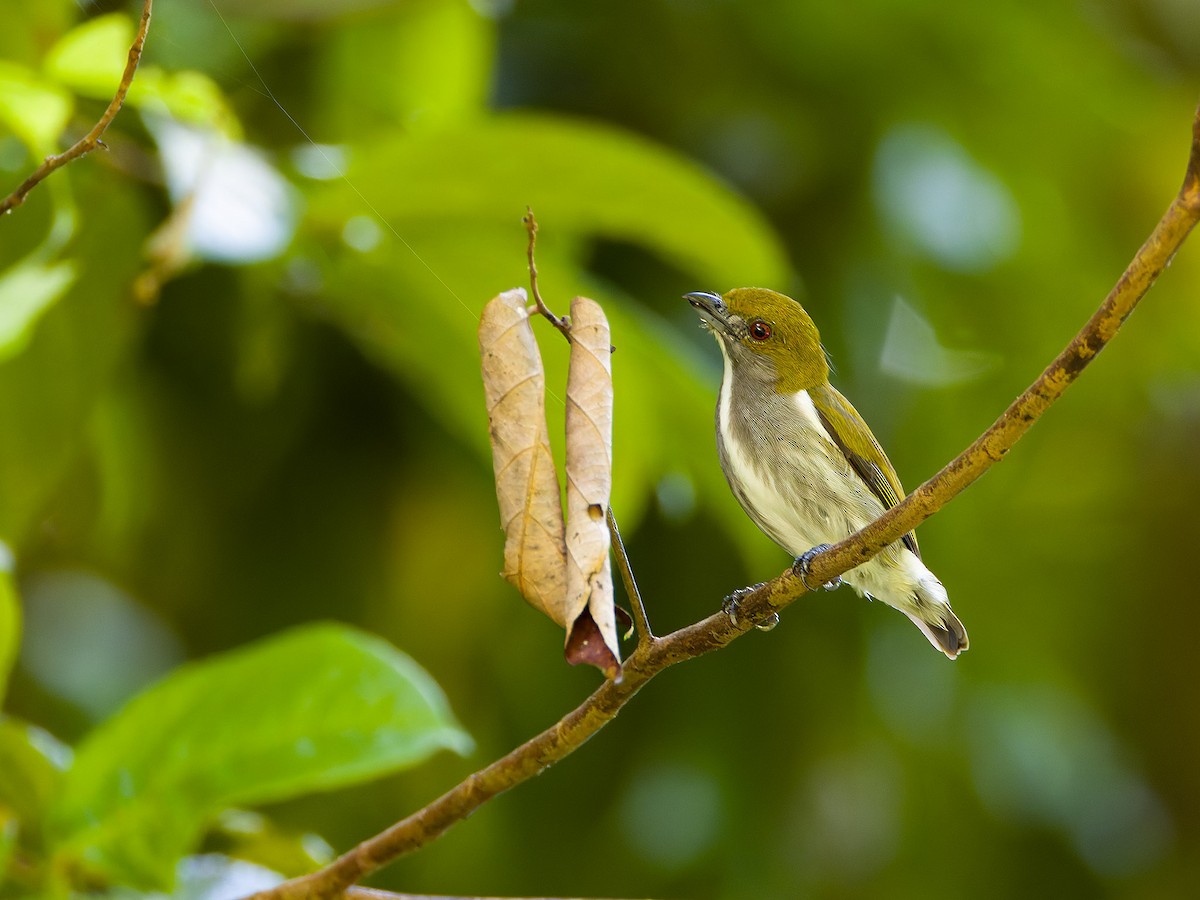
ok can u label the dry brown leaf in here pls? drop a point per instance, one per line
(526, 482)
(592, 634)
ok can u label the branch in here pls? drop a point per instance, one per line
(531, 227)
(371, 894)
(652, 657)
(91, 140)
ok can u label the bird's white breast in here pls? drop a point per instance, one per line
(809, 495)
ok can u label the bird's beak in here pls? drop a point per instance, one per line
(711, 308)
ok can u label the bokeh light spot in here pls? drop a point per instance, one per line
(935, 197)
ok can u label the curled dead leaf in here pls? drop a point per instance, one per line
(592, 632)
(526, 482)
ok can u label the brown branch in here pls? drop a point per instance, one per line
(531, 227)
(371, 894)
(652, 657)
(91, 140)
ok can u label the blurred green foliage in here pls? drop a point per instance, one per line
(314, 709)
(294, 430)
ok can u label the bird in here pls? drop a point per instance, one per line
(801, 461)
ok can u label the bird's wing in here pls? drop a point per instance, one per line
(840, 419)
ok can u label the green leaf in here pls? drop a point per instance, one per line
(188, 96)
(581, 179)
(437, 57)
(33, 109)
(91, 57)
(256, 838)
(47, 391)
(10, 617)
(9, 828)
(312, 709)
(32, 764)
(27, 290)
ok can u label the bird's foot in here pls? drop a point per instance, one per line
(729, 605)
(800, 568)
(769, 622)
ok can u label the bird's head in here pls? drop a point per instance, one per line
(765, 335)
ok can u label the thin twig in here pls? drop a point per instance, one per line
(651, 658)
(91, 140)
(531, 227)
(641, 621)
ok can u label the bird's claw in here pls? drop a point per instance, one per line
(768, 623)
(800, 568)
(729, 605)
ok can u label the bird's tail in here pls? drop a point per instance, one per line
(942, 627)
(917, 593)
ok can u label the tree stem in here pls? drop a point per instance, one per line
(91, 140)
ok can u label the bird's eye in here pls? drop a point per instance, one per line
(760, 330)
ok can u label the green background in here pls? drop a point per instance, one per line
(951, 189)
